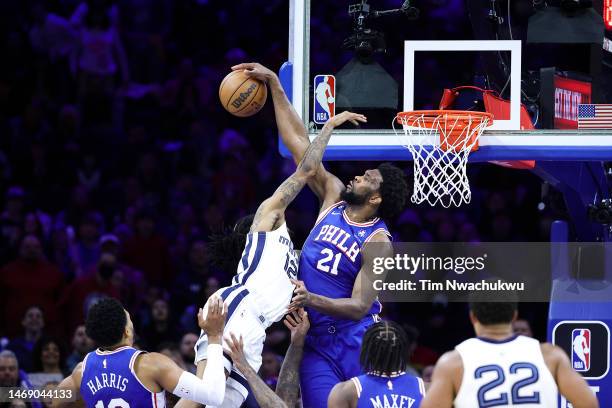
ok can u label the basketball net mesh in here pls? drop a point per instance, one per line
(440, 143)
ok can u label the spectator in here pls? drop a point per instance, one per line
(53, 40)
(63, 251)
(81, 345)
(16, 403)
(13, 209)
(412, 336)
(48, 359)
(27, 281)
(427, 373)
(148, 251)
(133, 286)
(270, 367)
(522, 327)
(190, 285)
(33, 324)
(188, 352)
(147, 25)
(183, 96)
(99, 54)
(11, 222)
(49, 386)
(161, 328)
(33, 226)
(83, 292)
(12, 376)
(171, 350)
(87, 245)
(188, 230)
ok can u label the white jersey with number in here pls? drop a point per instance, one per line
(267, 263)
(506, 373)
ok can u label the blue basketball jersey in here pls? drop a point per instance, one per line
(402, 391)
(109, 381)
(331, 258)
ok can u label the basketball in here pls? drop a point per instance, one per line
(242, 96)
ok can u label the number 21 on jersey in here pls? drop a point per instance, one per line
(329, 262)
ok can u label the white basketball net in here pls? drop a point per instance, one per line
(440, 145)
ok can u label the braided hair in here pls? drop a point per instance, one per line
(226, 247)
(384, 349)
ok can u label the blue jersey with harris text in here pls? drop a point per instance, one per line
(109, 381)
(400, 391)
(331, 258)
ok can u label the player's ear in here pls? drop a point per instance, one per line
(375, 199)
(473, 318)
(515, 316)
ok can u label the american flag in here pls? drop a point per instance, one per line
(594, 116)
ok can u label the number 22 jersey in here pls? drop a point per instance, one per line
(505, 373)
(331, 258)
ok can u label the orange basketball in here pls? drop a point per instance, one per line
(242, 96)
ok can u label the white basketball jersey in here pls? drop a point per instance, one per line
(507, 373)
(267, 263)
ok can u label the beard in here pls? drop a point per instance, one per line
(353, 199)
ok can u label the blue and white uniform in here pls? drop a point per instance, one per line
(505, 373)
(401, 391)
(329, 264)
(109, 381)
(259, 296)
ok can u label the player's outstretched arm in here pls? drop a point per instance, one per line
(271, 212)
(293, 133)
(72, 384)
(358, 305)
(289, 377)
(446, 377)
(571, 384)
(266, 398)
(289, 380)
(210, 390)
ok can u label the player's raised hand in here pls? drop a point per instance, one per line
(236, 352)
(298, 324)
(214, 322)
(255, 70)
(341, 118)
(301, 296)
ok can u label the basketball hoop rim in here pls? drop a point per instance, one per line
(431, 115)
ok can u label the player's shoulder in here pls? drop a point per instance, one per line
(449, 370)
(147, 363)
(380, 235)
(77, 373)
(344, 392)
(550, 350)
(450, 358)
(450, 363)
(553, 355)
(151, 358)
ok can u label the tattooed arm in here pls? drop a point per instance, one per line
(287, 389)
(266, 398)
(271, 212)
(288, 384)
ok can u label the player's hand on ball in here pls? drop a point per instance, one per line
(301, 296)
(214, 322)
(236, 352)
(341, 118)
(255, 70)
(298, 324)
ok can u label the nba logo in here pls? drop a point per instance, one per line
(581, 349)
(324, 98)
